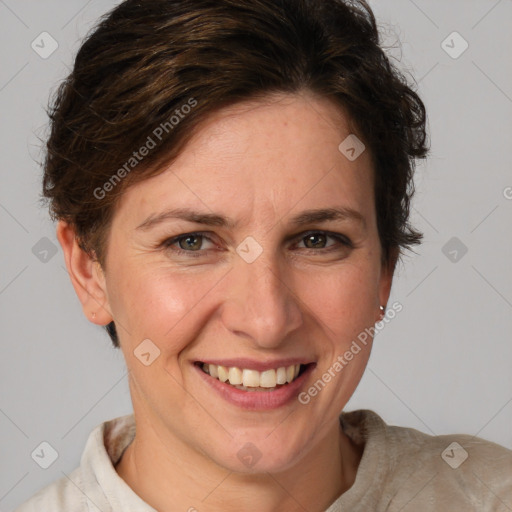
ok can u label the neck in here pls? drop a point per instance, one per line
(169, 475)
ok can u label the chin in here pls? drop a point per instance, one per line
(256, 454)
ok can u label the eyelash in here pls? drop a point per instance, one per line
(168, 243)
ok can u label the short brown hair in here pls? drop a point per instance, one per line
(146, 60)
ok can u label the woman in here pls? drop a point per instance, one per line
(232, 182)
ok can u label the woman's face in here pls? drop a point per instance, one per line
(264, 277)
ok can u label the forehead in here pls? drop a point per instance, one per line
(271, 157)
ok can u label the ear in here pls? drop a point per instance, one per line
(86, 276)
(386, 278)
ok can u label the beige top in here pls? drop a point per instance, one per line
(401, 469)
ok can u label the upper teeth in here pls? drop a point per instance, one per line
(253, 378)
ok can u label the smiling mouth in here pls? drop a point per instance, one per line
(253, 380)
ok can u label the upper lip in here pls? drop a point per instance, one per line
(254, 364)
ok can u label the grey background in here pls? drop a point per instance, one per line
(443, 365)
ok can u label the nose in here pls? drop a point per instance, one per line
(261, 305)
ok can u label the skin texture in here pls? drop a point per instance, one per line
(259, 164)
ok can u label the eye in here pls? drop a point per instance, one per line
(319, 240)
(192, 244)
(187, 242)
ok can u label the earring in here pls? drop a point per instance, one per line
(382, 312)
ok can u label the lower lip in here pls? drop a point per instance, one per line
(257, 400)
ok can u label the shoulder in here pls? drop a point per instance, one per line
(434, 471)
(63, 494)
(95, 482)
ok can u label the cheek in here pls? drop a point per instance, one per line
(343, 303)
(160, 304)
(150, 303)
(343, 300)
(171, 306)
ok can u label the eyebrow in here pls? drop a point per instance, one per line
(212, 219)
